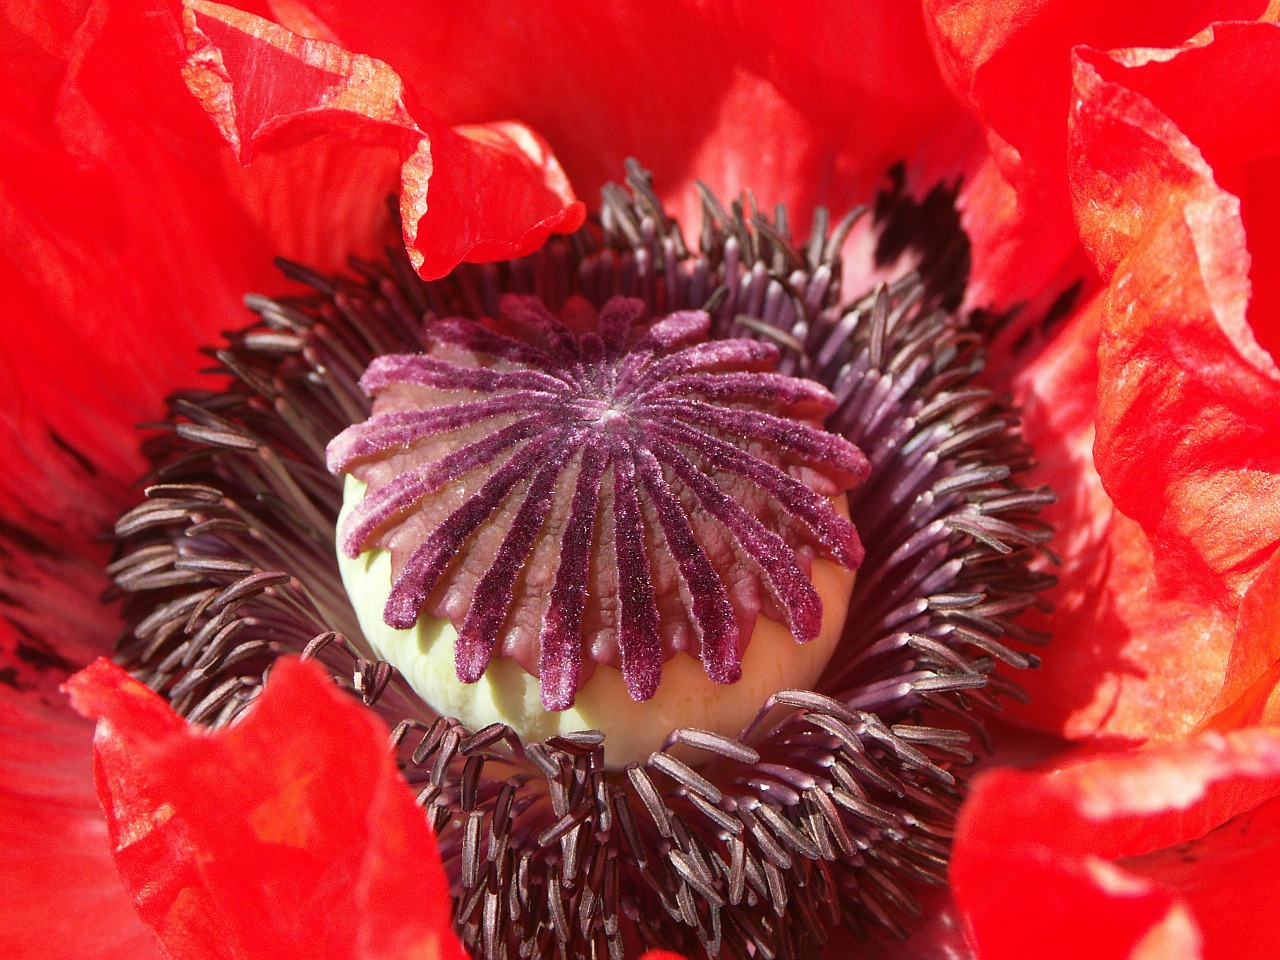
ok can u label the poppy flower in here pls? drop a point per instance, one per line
(1110, 169)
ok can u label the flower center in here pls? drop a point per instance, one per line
(519, 501)
(835, 800)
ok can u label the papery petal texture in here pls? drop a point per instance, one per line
(270, 838)
(1251, 691)
(804, 104)
(1127, 855)
(129, 236)
(466, 193)
(1010, 63)
(1131, 658)
(1185, 439)
(1166, 520)
(1186, 444)
(51, 826)
(1129, 146)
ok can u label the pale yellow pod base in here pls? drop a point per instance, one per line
(686, 697)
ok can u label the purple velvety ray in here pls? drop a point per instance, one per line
(529, 314)
(560, 660)
(787, 582)
(710, 609)
(423, 371)
(676, 331)
(833, 531)
(790, 395)
(406, 426)
(617, 319)
(427, 563)
(532, 443)
(638, 617)
(386, 502)
(493, 594)
(472, 337)
(716, 356)
(804, 442)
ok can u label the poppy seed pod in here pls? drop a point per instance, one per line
(1065, 282)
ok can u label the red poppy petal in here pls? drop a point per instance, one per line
(1237, 133)
(1130, 658)
(1116, 854)
(54, 505)
(128, 237)
(1147, 638)
(1228, 879)
(1259, 704)
(1185, 439)
(805, 104)
(307, 87)
(474, 193)
(485, 192)
(1251, 690)
(52, 621)
(288, 834)
(1010, 63)
(1058, 910)
(129, 232)
(60, 894)
(117, 252)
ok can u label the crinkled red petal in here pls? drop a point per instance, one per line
(1122, 662)
(1250, 692)
(1127, 854)
(1240, 144)
(803, 105)
(60, 895)
(1149, 638)
(1186, 439)
(119, 252)
(287, 834)
(1228, 882)
(1010, 63)
(467, 193)
(129, 233)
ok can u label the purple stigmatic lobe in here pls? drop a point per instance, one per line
(597, 491)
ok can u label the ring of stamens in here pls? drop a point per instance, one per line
(842, 800)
